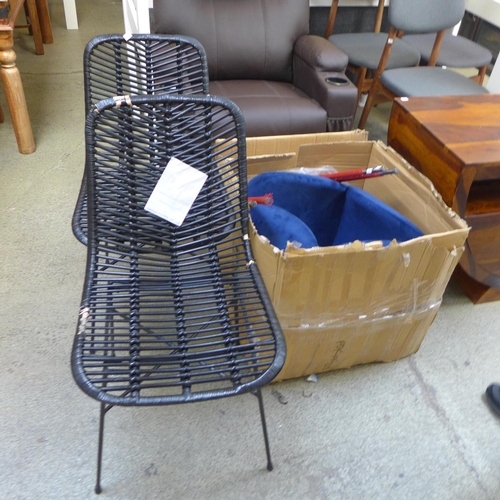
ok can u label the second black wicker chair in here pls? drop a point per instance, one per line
(142, 64)
(170, 314)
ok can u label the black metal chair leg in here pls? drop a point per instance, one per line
(104, 410)
(258, 393)
(98, 488)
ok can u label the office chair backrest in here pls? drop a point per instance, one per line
(243, 39)
(425, 16)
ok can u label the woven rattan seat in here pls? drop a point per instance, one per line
(143, 64)
(170, 314)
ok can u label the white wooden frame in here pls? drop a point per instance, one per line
(136, 15)
(70, 14)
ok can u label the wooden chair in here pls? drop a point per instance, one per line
(365, 49)
(38, 22)
(455, 52)
(425, 16)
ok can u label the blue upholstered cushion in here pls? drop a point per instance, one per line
(312, 199)
(333, 213)
(280, 226)
(366, 218)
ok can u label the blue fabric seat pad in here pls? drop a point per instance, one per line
(316, 201)
(367, 219)
(280, 227)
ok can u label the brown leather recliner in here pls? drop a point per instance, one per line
(261, 56)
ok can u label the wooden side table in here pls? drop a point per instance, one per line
(455, 142)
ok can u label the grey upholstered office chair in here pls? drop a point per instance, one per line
(261, 56)
(429, 16)
(365, 49)
(455, 52)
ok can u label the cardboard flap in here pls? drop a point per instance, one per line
(342, 156)
(266, 257)
(280, 144)
(330, 287)
(259, 164)
(411, 194)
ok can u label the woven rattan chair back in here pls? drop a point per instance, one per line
(170, 314)
(143, 64)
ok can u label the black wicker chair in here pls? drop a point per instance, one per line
(142, 64)
(170, 314)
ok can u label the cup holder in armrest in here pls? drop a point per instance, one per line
(336, 80)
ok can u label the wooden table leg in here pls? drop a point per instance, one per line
(44, 19)
(14, 92)
(35, 26)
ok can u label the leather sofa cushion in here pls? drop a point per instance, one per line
(258, 46)
(272, 108)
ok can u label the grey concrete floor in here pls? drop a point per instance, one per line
(417, 428)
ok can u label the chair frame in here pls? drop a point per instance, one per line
(481, 70)
(38, 23)
(378, 93)
(169, 314)
(363, 81)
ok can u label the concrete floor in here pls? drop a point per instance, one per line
(417, 428)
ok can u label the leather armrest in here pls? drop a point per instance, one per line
(320, 54)
(339, 99)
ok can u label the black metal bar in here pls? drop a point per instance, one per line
(258, 393)
(98, 488)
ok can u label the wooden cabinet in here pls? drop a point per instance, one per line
(455, 142)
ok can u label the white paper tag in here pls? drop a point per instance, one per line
(176, 191)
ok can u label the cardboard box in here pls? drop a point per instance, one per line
(280, 152)
(352, 304)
